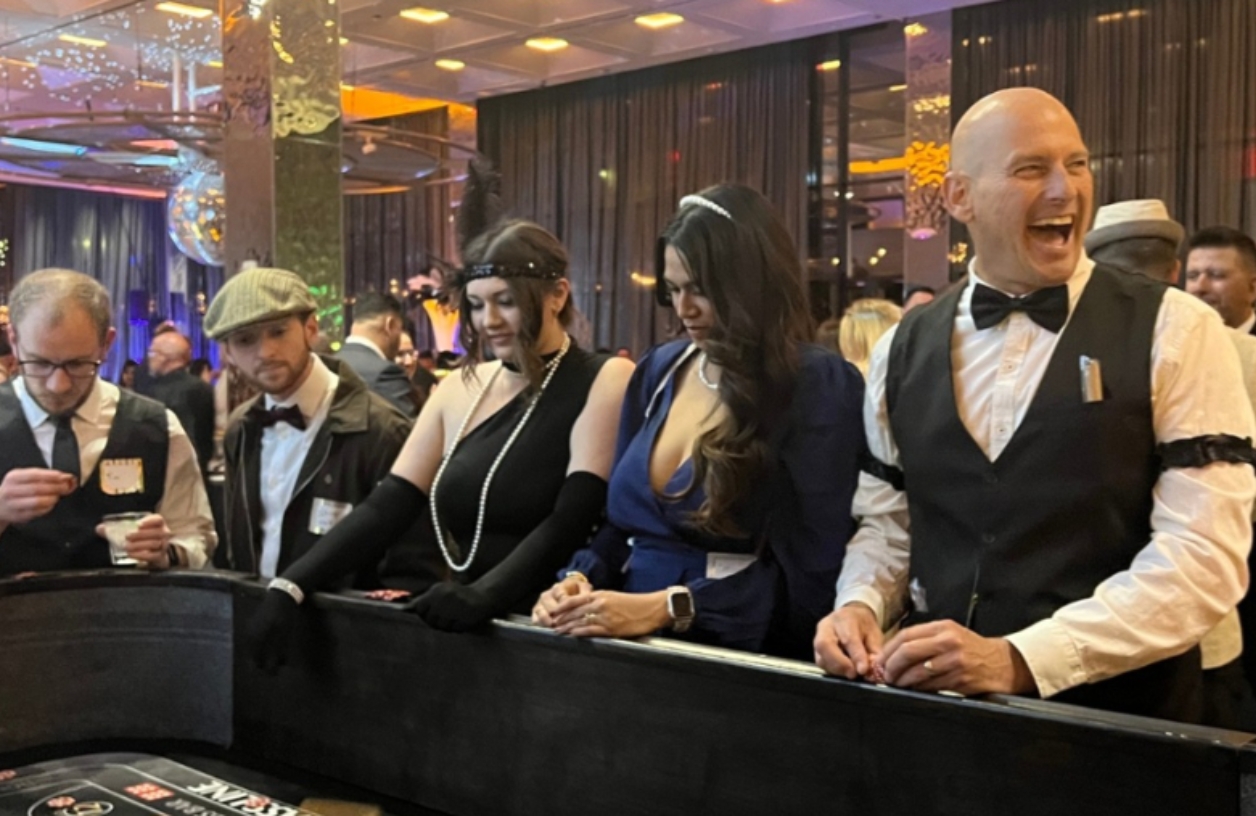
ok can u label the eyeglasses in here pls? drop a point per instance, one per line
(76, 369)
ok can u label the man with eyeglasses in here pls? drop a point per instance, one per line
(74, 448)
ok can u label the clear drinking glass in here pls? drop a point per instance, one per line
(117, 527)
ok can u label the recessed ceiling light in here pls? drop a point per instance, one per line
(344, 40)
(663, 19)
(186, 11)
(831, 65)
(897, 88)
(88, 41)
(547, 43)
(450, 64)
(214, 63)
(345, 87)
(149, 83)
(425, 15)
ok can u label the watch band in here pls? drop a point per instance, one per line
(680, 608)
(286, 586)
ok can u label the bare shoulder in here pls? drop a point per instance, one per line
(612, 379)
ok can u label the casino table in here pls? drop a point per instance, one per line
(123, 692)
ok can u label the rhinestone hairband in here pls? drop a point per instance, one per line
(524, 270)
(705, 202)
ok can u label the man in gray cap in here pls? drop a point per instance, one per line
(312, 445)
(1139, 237)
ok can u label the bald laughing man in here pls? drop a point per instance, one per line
(1061, 503)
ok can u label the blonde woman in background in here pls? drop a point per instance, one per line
(862, 326)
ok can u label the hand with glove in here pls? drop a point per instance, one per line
(452, 607)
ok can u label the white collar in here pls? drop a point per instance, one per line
(89, 411)
(1076, 284)
(1246, 325)
(309, 397)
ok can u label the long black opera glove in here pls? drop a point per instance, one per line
(530, 568)
(360, 539)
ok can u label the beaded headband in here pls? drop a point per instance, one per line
(523, 270)
(705, 202)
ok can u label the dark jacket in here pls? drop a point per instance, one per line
(382, 376)
(352, 451)
(191, 399)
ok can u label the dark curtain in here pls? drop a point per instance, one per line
(391, 236)
(603, 164)
(117, 240)
(1164, 92)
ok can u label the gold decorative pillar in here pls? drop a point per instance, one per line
(282, 153)
(928, 111)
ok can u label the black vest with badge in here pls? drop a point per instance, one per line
(66, 537)
(1001, 545)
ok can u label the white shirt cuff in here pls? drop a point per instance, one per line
(1052, 657)
(865, 595)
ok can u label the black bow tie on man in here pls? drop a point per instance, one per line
(1046, 307)
(290, 414)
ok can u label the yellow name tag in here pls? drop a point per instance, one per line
(120, 477)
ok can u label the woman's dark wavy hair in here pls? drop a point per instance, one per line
(748, 267)
(486, 237)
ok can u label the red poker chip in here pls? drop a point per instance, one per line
(61, 802)
(7, 775)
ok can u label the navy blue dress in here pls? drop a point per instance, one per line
(798, 521)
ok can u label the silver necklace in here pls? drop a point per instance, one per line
(552, 368)
(702, 373)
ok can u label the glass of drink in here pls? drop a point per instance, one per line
(117, 527)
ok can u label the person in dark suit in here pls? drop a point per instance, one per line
(372, 344)
(1221, 271)
(190, 398)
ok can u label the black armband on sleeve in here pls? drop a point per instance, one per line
(887, 473)
(1199, 451)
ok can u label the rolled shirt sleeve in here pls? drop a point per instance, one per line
(184, 504)
(874, 571)
(1194, 569)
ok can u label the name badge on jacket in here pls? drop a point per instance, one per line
(121, 477)
(326, 514)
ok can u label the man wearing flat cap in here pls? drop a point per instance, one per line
(1139, 237)
(312, 445)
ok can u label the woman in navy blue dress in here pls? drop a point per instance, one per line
(737, 458)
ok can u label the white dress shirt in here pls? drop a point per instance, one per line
(283, 452)
(1192, 571)
(184, 504)
(1247, 325)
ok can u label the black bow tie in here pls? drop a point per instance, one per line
(290, 414)
(1046, 307)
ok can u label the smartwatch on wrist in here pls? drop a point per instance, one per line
(680, 608)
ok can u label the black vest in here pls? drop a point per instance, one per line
(66, 537)
(1001, 545)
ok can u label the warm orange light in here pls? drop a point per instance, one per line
(547, 44)
(450, 64)
(663, 19)
(892, 165)
(186, 11)
(831, 65)
(425, 15)
(88, 41)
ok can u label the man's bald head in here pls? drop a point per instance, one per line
(168, 352)
(1020, 180)
(992, 117)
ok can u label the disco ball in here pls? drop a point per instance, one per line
(195, 215)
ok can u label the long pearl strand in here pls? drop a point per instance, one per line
(552, 367)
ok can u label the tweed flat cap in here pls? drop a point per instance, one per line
(256, 295)
(1145, 218)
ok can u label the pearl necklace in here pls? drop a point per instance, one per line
(702, 373)
(552, 368)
